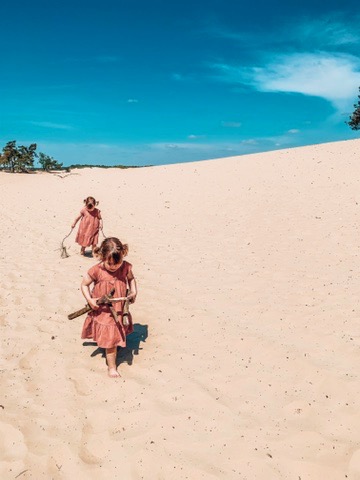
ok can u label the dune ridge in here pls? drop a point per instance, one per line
(244, 361)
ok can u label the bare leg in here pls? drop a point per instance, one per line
(111, 362)
(82, 251)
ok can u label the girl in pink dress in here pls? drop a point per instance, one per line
(91, 222)
(111, 273)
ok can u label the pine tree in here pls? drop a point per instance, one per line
(10, 155)
(48, 163)
(26, 157)
(354, 121)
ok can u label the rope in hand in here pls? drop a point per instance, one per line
(68, 235)
(64, 253)
(102, 231)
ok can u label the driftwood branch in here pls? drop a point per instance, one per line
(106, 300)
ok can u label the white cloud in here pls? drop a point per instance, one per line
(293, 130)
(195, 137)
(180, 77)
(132, 100)
(172, 146)
(250, 141)
(57, 126)
(334, 77)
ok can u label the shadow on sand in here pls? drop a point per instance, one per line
(126, 354)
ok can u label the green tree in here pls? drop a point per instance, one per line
(48, 163)
(10, 155)
(354, 121)
(26, 157)
(18, 159)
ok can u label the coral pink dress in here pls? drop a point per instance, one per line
(88, 233)
(100, 325)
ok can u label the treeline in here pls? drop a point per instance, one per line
(86, 165)
(21, 158)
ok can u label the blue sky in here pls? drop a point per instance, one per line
(153, 82)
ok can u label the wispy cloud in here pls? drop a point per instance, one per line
(320, 58)
(226, 33)
(331, 30)
(161, 152)
(57, 126)
(182, 77)
(326, 31)
(293, 130)
(250, 141)
(178, 77)
(195, 137)
(334, 77)
(180, 145)
(132, 100)
(231, 124)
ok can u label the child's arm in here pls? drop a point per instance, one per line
(76, 220)
(86, 282)
(132, 286)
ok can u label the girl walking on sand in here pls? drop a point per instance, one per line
(112, 272)
(91, 222)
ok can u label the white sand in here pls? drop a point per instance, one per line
(248, 277)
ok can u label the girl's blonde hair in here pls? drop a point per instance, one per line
(111, 248)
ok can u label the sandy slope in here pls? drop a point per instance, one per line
(245, 359)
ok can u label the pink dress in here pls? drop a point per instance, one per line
(88, 233)
(100, 325)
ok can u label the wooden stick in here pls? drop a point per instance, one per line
(80, 312)
(114, 314)
(125, 315)
(104, 300)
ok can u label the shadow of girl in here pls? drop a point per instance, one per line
(125, 354)
(132, 348)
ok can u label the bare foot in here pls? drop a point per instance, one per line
(82, 251)
(113, 373)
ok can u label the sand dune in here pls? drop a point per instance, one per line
(244, 361)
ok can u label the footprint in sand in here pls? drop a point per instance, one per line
(12, 443)
(28, 360)
(81, 385)
(84, 453)
(354, 466)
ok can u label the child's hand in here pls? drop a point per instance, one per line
(93, 304)
(131, 297)
(73, 225)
